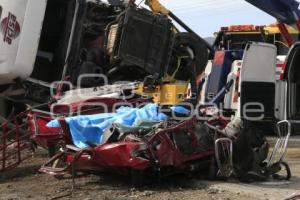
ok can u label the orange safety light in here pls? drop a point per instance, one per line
(242, 28)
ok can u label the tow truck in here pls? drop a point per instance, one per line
(235, 37)
(227, 65)
(230, 44)
(231, 41)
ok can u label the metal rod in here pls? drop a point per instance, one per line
(4, 147)
(9, 125)
(18, 140)
(70, 39)
(285, 33)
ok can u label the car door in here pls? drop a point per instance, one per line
(258, 82)
(292, 78)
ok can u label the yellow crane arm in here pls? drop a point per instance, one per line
(157, 7)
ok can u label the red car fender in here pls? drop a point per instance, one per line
(39, 132)
(120, 155)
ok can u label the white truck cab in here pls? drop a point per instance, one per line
(44, 41)
(21, 25)
(36, 36)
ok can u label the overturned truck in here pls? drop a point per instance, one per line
(58, 40)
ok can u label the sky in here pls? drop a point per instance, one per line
(207, 16)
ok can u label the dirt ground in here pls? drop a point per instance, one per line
(25, 182)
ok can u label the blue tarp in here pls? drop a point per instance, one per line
(90, 128)
(180, 110)
(286, 11)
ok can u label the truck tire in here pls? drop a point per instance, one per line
(197, 46)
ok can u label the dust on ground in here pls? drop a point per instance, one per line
(25, 182)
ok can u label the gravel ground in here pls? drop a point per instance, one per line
(25, 182)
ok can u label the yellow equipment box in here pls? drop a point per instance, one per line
(167, 94)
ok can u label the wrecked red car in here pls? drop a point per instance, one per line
(173, 146)
(177, 146)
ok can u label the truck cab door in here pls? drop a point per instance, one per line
(292, 78)
(258, 82)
